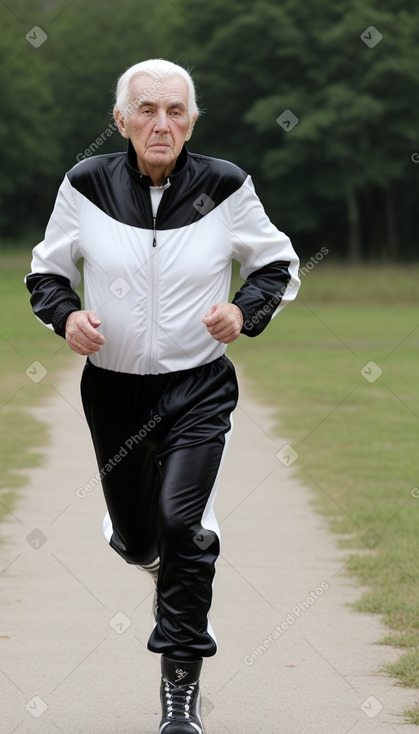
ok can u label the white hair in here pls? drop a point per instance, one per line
(160, 70)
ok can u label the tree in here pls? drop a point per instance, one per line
(356, 100)
(28, 151)
(337, 171)
(58, 96)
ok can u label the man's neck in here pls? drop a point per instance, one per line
(158, 176)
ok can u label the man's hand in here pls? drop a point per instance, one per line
(224, 322)
(81, 334)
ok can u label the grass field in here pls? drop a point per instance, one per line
(23, 342)
(355, 428)
(340, 368)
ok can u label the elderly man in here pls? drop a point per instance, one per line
(158, 228)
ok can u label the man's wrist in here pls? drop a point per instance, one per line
(244, 315)
(60, 316)
(241, 315)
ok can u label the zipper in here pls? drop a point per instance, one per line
(154, 233)
(165, 187)
(153, 300)
(154, 311)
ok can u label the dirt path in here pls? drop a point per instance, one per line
(74, 619)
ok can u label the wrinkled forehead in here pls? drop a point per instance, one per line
(146, 88)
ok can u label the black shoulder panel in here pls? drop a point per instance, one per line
(111, 184)
(104, 180)
(200, 187)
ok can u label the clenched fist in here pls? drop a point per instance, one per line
(81, 332)
(224, 322)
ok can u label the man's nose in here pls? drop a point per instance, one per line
(161, 122)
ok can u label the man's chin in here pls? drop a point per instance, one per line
(161, 161)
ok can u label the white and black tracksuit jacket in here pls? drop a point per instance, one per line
(160, 392)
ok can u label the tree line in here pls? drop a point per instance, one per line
(318, 101)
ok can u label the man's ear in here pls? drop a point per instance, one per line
(120, 121)
(192, 125)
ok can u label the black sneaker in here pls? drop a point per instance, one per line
(180, 697)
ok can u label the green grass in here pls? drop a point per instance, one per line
(412, 714)
(22, 341)
(357, 440)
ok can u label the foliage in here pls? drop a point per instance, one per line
(343, 176)
(342, 173)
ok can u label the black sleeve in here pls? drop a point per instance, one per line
(52, 299)
(261, 294)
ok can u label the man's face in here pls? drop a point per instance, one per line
(157, 122)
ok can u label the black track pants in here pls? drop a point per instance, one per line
(159, 442)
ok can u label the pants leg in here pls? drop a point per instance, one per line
(125, 436)
(189, 545)
(160, 495)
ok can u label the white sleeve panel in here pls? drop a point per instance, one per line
(257, 242)
(59, 251)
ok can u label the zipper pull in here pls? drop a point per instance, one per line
(154, 233)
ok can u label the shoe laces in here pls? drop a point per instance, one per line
(178, 699)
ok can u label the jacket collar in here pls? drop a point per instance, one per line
(145, 181)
